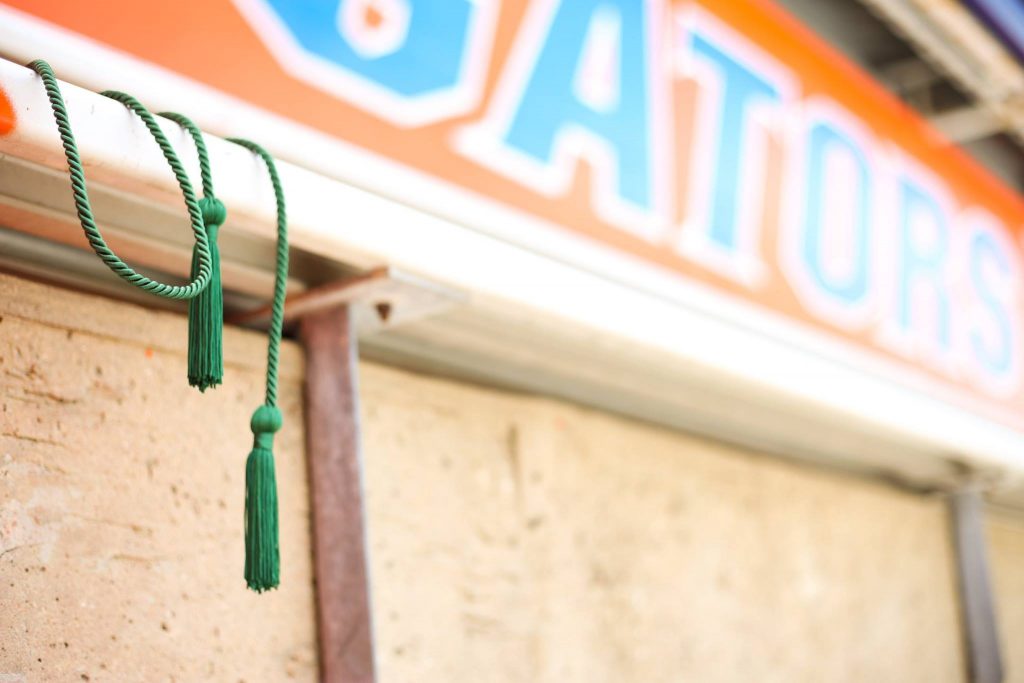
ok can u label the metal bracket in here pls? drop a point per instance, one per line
(381, 298)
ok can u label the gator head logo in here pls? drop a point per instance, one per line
(411, 62)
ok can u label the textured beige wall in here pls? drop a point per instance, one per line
(513, 539)
(522, 540)
(121, 495)
(1006, 543)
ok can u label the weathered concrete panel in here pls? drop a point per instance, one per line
(520, 539)
(512, 538)
(121, 497)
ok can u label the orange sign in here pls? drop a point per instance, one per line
(718, 141)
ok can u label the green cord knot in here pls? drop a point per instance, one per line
(214, 213)
(266, 422)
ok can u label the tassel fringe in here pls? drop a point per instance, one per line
(262, 551)
(206, 311)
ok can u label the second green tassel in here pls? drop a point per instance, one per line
(206, 311)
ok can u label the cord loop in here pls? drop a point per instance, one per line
(84, 207)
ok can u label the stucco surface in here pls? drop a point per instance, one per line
(121, 497)
(513, 539)
(520, 539)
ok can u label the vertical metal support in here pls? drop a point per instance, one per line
(335, 468)
(984, 659)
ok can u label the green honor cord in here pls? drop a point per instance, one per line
(262, 552)
(92, 233)
(205, 311)
(203, 291)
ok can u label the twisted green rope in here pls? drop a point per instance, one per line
(262, 550)
(205, 174)
(201, 277)
(281, 270)
(206, 311)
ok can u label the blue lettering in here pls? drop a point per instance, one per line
(551, 104)
(996, 360)
(823, 140)
(916, 263)
(741, 88)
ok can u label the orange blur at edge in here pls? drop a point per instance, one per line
(7, 117)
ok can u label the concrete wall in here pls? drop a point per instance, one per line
(121, 498)
(513, 539)
(520, 539)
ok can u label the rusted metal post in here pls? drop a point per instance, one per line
(984, 657)
(336, 488)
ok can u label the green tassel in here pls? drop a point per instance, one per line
(206, 311)
(262, 552)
